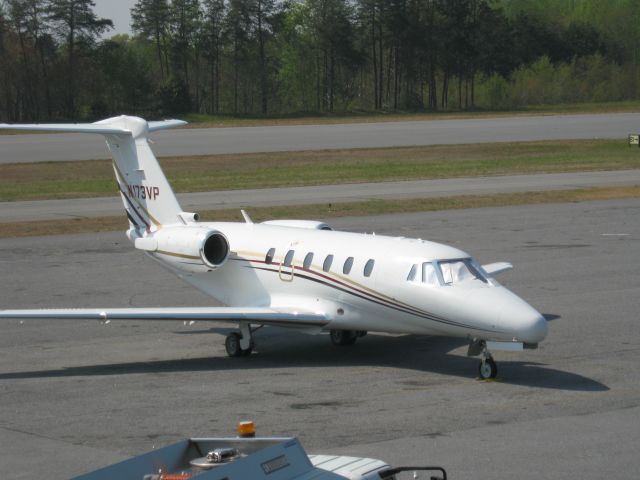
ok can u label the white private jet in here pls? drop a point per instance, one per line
(299, 273)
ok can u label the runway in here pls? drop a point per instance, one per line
(57, 147)
(230, 199)
(81, 395)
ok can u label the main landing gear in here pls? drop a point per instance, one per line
(345, 337)
(240, 344)
(488, 368)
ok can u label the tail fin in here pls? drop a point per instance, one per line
(146, 194)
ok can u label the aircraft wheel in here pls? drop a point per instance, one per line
(343, 337)
(488, 369)
(232, 345)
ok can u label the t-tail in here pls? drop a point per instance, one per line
(148, 199)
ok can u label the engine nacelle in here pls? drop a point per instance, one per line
(214, 250)
(310, 224)
(191, 248)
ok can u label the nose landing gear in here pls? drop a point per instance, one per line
(488, 368)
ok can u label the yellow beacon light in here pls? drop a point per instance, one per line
(246, 429)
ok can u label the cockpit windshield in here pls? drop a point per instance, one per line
(447, 272)
(460, 271)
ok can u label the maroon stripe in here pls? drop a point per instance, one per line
(360, 291)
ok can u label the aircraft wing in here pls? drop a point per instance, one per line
(263, 316)
(497, 268)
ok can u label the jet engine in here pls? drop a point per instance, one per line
(214, 250)
(192, 248)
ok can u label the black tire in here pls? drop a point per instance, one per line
(488, 369)
(343, 337)
(232, 345)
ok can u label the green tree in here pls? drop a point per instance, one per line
(237, 28)
(124, 79)
(184, 23)
(263, 12)
(5, 96)
(27, 94)
(150, 19)
(332, 23)
(211, 32)
(76, 23)
(297, 73)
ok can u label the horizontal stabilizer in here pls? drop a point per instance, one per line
(264, 316)
(165, 124)
(111, 126)
(68, 127)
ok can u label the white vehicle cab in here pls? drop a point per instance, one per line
(245, 457)
(301, 274)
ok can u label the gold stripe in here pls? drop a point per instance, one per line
(319, 271)
(180, 255)
(151, 217)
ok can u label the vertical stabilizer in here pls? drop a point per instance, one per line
(148, 199)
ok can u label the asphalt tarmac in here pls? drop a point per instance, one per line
(205, 141)
(324, 194)
(75, 396)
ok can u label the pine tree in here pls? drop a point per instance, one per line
(150, 19)
(76, 23)
(184, 18)
(213, 13)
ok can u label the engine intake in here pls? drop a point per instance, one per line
(214, 250)
(191, 248)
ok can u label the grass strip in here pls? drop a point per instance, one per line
(222, 121)
(327, 211)
(57, 180)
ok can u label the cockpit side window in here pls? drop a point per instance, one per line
(412, 273)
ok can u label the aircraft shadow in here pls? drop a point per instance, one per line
(291, 350)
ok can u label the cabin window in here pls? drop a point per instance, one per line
(429, 275)
(326, 266)
(307, 260)
(288, 258)
(348, 265)
(368, 268)
(412, 273)
(270, 254)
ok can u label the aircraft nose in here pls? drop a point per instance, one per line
(528, 325)
(533, 328)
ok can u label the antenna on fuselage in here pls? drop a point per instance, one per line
(246, 216)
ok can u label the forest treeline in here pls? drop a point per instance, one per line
(271, 57)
